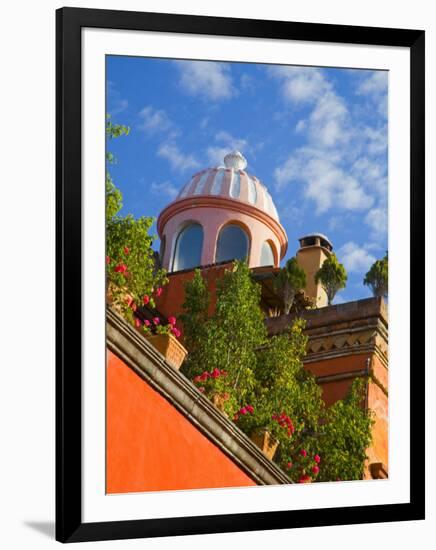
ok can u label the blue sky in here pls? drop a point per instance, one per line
(316, 137)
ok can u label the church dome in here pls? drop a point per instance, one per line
(220, 215)
(231, 181)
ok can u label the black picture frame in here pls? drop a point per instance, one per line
(69, 525)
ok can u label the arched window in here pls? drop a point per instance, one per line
(232, 244)
(188, 248)
(267, 254)
(162, 248)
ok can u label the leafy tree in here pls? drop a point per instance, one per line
(195, 321)
(130, 260)
(332, 276)
(290, 280)
(377, 277)
(346, 434)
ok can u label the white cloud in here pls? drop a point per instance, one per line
(116, 104)
(165, 188)
(300, 84)
(177, 159)
(225, 143)
(377, 220)
(325, 182)
(154, 120)
(375, 86)
(209, 79)
(355, 258)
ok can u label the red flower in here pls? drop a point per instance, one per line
(204, 376)
(243, 411)
(146, 300)
(126, 250)
(108, 260)
(317, 459)
(201, 389)
(137, 323)
(215, 373)
(147, 323)
(172, 320)
(196, 379)
(159, 291)
(315, 469)
(120, 268)
(176, 332)
(289, 465)
(156, 320)
(250, 409)
(304, 479)
(303, 452)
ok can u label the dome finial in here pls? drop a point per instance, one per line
(235, 160)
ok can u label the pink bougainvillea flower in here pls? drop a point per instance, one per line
(201, 389)
(196, 379)
(120, 268)
(204, 376)
(159, 291)
(172, 320)
(289, 465)
(250, 409)
(156, 320)
(303, 452)
(126, 250)
(304, 479)
(215, 373)
(315, 469)
(317, 459)
(137, 322)
(147, 323)
(176, 332)
(243, 410)
(146, 299)
(108, 260)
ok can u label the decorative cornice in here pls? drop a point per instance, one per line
(211, 201)
(346, 329)
(150, 365)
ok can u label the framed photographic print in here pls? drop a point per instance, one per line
(240, 232)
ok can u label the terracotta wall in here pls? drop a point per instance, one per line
(152, 447)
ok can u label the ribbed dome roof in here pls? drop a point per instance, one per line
(231, 181)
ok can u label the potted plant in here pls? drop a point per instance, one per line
(214, 385)
(164, 338)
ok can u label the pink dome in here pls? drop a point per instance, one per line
(231, 181)
(221, 214)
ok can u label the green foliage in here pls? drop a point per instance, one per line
(130, 260)
(290, 280)
(195, 324)
(346, 435)
(332, 276)
(264, 383)
(377, 277)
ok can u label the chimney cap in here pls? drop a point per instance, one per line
(321, 236)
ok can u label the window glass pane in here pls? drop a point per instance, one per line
(266, 255)
(232, 244)
(188, 248)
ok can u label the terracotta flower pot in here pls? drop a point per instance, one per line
(266, 442)
(169, 347)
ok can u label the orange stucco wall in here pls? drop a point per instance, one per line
(152, 447)
(377, 398)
